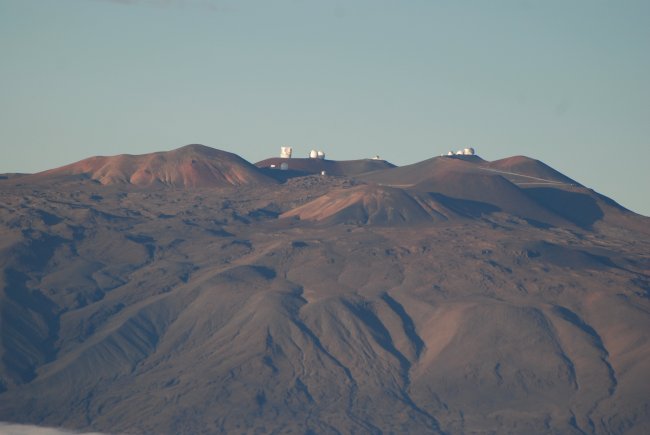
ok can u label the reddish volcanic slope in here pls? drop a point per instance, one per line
(410, 175)
(451, 296)
(189, 166)
(518, 185)
(371, 205)
(489, 189)
(526, 171)
(523, 171)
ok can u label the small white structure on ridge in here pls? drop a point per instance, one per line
(469, 151)
(285, 152)
(313, 154)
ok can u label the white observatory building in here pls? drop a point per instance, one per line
(285, 152)
(469, 151)
(313, 154)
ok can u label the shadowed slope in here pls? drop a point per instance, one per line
(518, 185)
(519, 170)
(562, 195)
(462, 185)
(409, 175)
(489, 189)
(523, 170)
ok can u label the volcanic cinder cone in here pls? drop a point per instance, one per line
(189, 166)
(187, 292)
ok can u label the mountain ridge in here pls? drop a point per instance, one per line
(189, 166)
(441, 297)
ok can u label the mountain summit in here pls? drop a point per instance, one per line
(189, 166)
(187, 292)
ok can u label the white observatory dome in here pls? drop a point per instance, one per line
(313, 154)
(285, 152)
(320, 154)
(468, 151)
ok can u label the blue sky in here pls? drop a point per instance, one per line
(566, 82)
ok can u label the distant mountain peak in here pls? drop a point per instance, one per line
(528, 168)
(453, 295)
(192, 165)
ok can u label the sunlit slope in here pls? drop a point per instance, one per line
(189, 166)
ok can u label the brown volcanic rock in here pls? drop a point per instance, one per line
(300, 166)
(372, 205)
(518, 185)
(199, 311)
(520, 170)
(526, 171)
(462, 184)
(487, 192)
(410, 175)
(189, 166)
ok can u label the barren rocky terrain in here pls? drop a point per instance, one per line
(193, 292)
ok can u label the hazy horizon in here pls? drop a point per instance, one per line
(565, 83)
